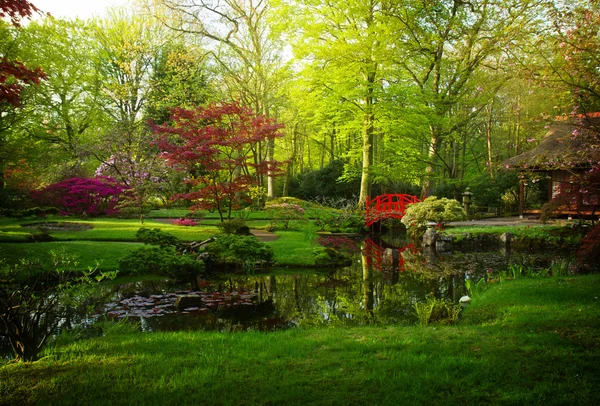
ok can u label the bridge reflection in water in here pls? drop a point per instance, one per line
(380, 257)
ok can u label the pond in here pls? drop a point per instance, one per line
(379, 288)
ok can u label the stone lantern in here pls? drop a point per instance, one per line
(466, 200)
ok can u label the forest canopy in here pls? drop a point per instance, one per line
(423, 97)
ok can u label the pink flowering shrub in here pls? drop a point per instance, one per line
(284, 215)
(184, 222)
(82, 196)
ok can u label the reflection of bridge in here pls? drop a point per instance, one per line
(381, 258)
(386, 206)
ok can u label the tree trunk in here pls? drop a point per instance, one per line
(428, 183)
(489, 139)
(367, 146)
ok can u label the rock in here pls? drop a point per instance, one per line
(430, 237)
(506, 238)
(444, 243)
(184, 301)
(465, 300)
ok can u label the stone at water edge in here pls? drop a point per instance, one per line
(184, 301)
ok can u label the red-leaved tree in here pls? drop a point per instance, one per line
(82, 196)
(218, 146)
(14, 74)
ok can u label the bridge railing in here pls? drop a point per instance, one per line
(386, 206)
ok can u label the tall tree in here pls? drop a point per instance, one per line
(442, 46)
(67, 114)
(246, 54)
(130, 46)
(343, 47)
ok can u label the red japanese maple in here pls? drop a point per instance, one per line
(218, 146)
(14, 74)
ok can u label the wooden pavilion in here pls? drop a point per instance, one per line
(563, 156)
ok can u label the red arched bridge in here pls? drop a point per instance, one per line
(386, 206)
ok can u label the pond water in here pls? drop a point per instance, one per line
(379, 288)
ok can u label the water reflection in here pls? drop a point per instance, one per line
(379, 288)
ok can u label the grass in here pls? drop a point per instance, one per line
(295, 248)
(86, 253)
(520, 231)
(110, 239)
(529, 341)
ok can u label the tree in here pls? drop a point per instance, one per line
(442, 50)
(215, 146)
(343, 45)
(247, 55)
(14, 75)
(577, 45)
(67, 114)
(179, 79)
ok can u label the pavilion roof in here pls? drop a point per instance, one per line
(565, 145)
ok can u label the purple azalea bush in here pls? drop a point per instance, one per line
(82, 196)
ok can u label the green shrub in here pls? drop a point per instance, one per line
(239, 250)
(231, 226)
(155, 236)
(433, 209)
(285, 216)
(159, 260)
(342, 222)
(160, 256)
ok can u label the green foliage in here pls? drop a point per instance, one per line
(476, 288)
(159, 257)
(330, 257)
(345, 221)
(324, 183)
(155, 236)
(488, 192)
(239, 250)
(433, 209)
(231, 226)
(443, 311)
(159, 260)
(35, 296)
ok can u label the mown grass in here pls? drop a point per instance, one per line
(87, 254)
(103, 229)
(529, 341)
(110, 239)
(520, 231)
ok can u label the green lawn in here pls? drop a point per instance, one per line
(529, 341)
(86, 253)
(110, 239)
